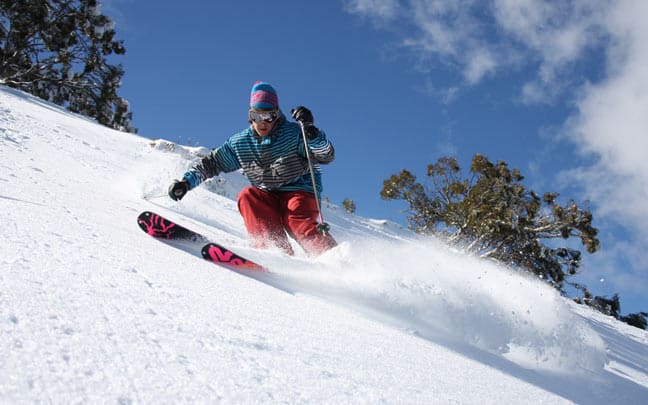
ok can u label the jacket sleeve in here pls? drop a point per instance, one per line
(220, 160)
(321, 148)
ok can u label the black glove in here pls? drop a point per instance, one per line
(305, 116)
(302, 114)
(178, 189)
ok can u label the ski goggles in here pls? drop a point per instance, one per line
(261, 116)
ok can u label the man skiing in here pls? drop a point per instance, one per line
(272, 155)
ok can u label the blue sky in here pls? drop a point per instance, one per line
(558, 89)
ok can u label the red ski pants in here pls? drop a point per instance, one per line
(268, 215)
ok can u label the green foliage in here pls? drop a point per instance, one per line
(57, 49)
(349, 206)
(607, 306)
(492, 213)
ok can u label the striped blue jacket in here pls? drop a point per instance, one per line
(276, 162)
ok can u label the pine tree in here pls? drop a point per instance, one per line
(57, 50)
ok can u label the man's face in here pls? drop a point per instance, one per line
(262, 128)
(263, 121)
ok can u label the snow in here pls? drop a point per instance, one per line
(94, 310)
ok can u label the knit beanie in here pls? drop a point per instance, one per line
(263, 97)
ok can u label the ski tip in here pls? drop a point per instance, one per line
(143, 220)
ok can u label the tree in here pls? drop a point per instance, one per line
(637, 320)
(349, 206)
(493, 214)
(57, 50)
(609, 306)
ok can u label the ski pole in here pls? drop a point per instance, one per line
(322, 227)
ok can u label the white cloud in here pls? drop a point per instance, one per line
(612, 121)
(480, 63)
(450, 31)
(556, 33)
(534, 92)
(377, 9)
(483, 38)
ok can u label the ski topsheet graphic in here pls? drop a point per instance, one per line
(160, 227)
(225, 257)
(167, 230)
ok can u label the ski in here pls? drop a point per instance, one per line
(163, 228)
(177, 235)
(218, 254)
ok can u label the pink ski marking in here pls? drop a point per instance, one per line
(219, 256)
(229, 258)
(157, 227)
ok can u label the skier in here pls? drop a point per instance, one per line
(272, 155)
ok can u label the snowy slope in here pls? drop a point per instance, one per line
(92, 309)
